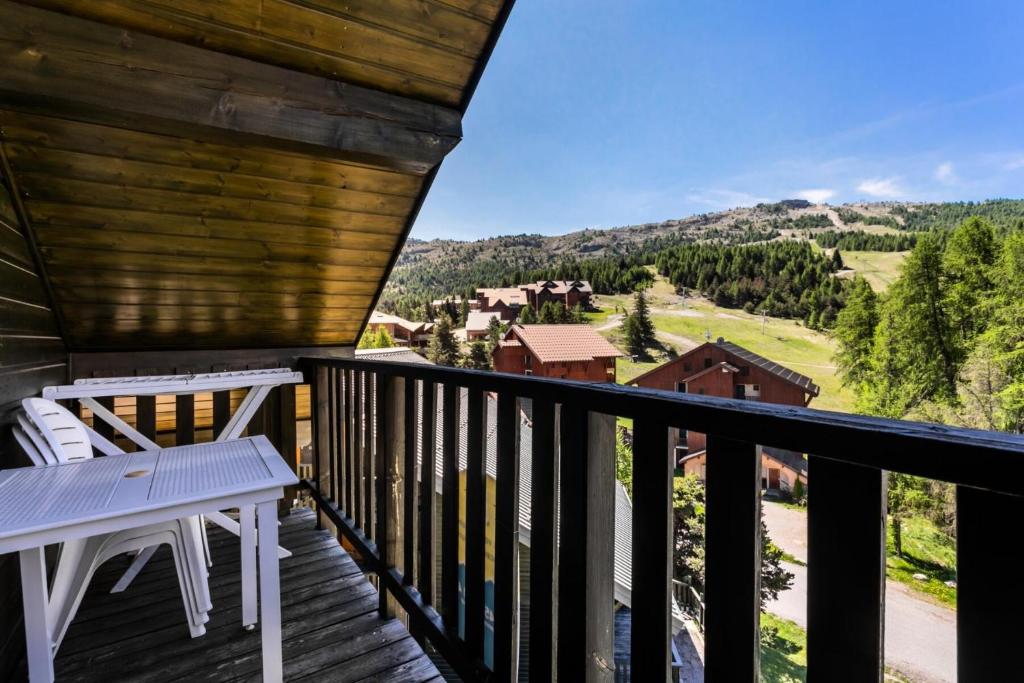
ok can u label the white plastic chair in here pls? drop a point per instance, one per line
(52, 435)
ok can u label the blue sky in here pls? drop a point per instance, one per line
(595, 113)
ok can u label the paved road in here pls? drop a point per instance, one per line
(920, 636)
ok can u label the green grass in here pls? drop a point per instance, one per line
(785, 658)
(879, 268)
(681, 324)
(783, 341)
(926, 550)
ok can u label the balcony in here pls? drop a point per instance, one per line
(368, 435)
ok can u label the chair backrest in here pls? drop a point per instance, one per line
(56, 434)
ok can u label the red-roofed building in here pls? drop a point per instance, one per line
(562, 351)
(726, 370)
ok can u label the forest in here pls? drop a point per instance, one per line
(783, 279)
(858, 240)
(1002, 214)
(946, 342)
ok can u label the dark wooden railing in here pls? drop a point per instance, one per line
(366, 484)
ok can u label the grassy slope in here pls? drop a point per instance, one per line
(879, 268)
(926, 550)
(785, 659)
(784, 341)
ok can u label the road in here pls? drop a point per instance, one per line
(920, 636)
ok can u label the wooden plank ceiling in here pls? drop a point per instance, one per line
(229, 174)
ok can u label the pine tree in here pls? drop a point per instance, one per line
(643, 317)
(478, 358)
(837, 260)
(463, 312)
(376, 339)
(494, 330)
(527, 315)
(444, 348)
(549, 313)
(855, 332)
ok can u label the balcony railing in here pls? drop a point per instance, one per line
(371, 420)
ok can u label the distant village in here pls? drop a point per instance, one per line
(506, 324)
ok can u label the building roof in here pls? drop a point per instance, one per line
(560, 286)
(395, 354)
(782, 372)
(774, 368)
(563, 343)
(477, 321)
(723, 366)
(377, 318)
(511, 296)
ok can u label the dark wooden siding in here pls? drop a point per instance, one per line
(31, 355)
(427, 49)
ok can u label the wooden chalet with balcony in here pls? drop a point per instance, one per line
(191, 188)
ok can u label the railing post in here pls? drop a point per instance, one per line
(542, 543)
(371, 387)
(288, 437)
(407, 530)
(145, 416)
(359, 418)
(390, 450)
(506, 539)
(587, 546)
(427, 508)
(476, 520)
(320, 401)
(651, 609)
(450, 510)
(846, 506)
(732, 561)
(990, 594)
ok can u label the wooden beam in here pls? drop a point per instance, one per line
(103, 74)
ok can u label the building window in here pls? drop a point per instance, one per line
(707, 362)
(681, 387)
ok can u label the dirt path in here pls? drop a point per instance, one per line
(683, 343)
(613, 321)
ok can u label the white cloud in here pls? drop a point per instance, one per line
(881, 187)
(946, 174)
(724, 199)
(1014, 164)
(816, 196)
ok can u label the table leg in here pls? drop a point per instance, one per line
(37, 629)
(247, 517)
(270, 593)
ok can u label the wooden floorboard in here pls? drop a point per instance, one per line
(331, 630)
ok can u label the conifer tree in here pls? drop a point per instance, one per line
(444, 348)
(478, 358)
(527, 316)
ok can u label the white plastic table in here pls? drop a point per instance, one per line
(44, 505)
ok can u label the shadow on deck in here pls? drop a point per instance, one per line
(331, 628)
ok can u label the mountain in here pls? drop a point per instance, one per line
(439, 268)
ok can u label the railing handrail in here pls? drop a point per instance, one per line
(994, 461)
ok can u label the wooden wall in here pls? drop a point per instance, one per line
(31, 355)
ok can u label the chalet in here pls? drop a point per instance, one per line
(565, 292)
(727, 370)
(402, 331)
(504, 300)
(477, 323)
(562, 351)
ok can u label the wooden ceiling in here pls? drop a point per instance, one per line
(229, 174)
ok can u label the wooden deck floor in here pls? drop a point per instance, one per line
(331, 628)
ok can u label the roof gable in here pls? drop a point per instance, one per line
(744, 356)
